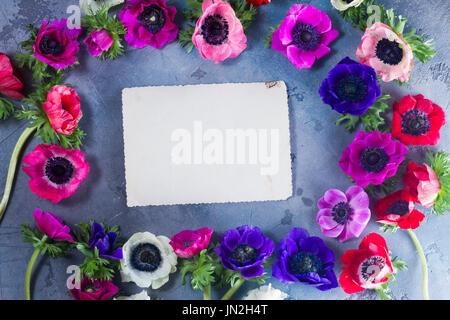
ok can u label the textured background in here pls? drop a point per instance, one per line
(315, 141)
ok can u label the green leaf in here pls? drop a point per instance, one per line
(201, 267)
(6, 108)
(440, 163)
(268, 38)
(389, 228)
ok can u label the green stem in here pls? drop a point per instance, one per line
(423, 262)
(233, 289)
(207, 292)
(28, 274)
(12, 168)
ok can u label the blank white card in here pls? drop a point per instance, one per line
(211, 143)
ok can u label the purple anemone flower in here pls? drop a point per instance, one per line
(99, 41)
(244, 250)
(304, 259)
(344, 215)
(105, 243)
(304, 35)
(56, 44)
(149, 23)
(351, 87)
(372, 157)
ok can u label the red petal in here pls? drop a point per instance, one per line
(348, 284)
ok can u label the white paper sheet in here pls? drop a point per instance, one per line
(210, 143)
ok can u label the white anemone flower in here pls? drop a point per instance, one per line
(266, 293)
(342, 5)
(143, 295)
(147, 260)
(95, 5)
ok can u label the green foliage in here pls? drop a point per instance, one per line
(244, 12)
(268, 38)
(6, 108)
(102, 20)
(39, 240)
(358, 16)
(440, 163)
(389, 228)
(94, 266)
(371, 120)
(201, 267)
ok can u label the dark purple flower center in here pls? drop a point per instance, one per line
(153, 18)
(244, 255)
(305, 262)
(59, 170)
(48, 45)
(146, 257)
(374, 159)
(399, 207)
(341, 212)
(305, 36)
(348, 1)
(370, 268)
(215, 29)
(389, 51)
(415, 122)
(351, 88)
(91, 288)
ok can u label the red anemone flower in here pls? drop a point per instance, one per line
(10, 85)
(367, 267)
(398, 208)
(417, 121)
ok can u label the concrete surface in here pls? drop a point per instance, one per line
(316, 146)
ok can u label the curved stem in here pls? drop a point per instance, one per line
(28, 274)
(423, 262)
(233, 289)
(12, 168)
(207, 292)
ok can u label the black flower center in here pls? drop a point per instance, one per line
(215, 29)
(389, 51)
(348, 1)
(146, 257)
(153, 18)
(370, 268)
(90, 288)
(415, 122)
(351, 88)
(399, 207)
(305, 36)
(374, 159)
(305, 262)
(244, 255)
(341, 212)
(59, 170)
(48, 45)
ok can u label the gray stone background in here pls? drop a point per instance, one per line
(316, 145)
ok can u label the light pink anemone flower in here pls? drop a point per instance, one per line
(219, 34)
(63, 109)
(55, 172)
(387, 52)
(189, 243)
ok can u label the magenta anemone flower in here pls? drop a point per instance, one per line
(55, 172)
(343, 215)
(189, 243)
(98, 42)
(372, 157)
(149, 23)
(52, 226)
(56, 44)
(94, 290)
(304, 35)
(219, 34)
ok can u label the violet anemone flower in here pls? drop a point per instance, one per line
(56, 44)
(304, 259)
(372, 157)
(94, 290)
(149, 23)
(55, 172)
(304, 35)
(52, 226)
(344, 215)
(189, 243)
(105, 242)
(244, 250)
(98, 41)
(350, 87)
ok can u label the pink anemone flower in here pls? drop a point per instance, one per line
(189, 243)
